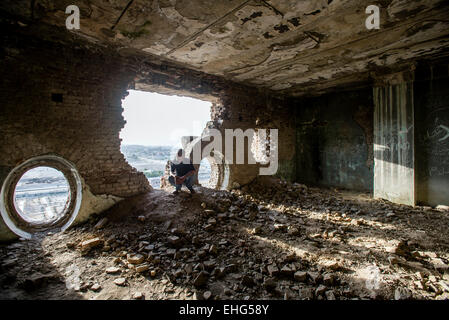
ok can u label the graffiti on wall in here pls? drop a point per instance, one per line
(435, 141)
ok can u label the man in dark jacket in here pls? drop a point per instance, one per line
(182, 172)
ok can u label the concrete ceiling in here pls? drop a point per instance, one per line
(291, 47)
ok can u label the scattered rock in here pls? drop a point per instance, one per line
(95, 287)
(213, 249)
(293, 231)
(320, 290)
(280, 227)
(330, 295)
(332, 265)
(287, 271)
(135, 258)
(175, 241)
(314, 276)
(141, 268)
(36, 281)
(120, 282)
(207, 295)
(444, 285)
(273, 270)
(306, 293)
(256, 230)
(9, 263)
(100, 224)
(89, 244)
(138, 295)
(329, 279)
(248, 281)
(402, 294)
(300, 276)
(269, 284)
(112, 270)
(401, 249)
(201, 279)
(393, 260)
(442, 208)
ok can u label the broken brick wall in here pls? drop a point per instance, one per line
(234, 106)
(256, 110)
(63, 100)
(62, 95)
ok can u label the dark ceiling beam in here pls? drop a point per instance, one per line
(121, 15)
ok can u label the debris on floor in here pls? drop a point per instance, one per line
(268, 240)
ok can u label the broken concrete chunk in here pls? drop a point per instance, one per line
(138, 295)
(320, 290)
(201, 279)
(300, 276)
(89, 244)
(135, 258)
(273, 270)
(112, 270)
(95, 287)
(402, 294)
(100, 224)
(174, 241)
(207, 295)
(120, 281)
(142, 268)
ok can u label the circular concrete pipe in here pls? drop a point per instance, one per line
(13, 216)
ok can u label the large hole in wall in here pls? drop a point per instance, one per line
(42, 195)
(155, 125)
(39, 194)
(204, 173)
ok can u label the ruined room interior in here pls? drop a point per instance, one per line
(358, 207)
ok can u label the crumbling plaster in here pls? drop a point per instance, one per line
(290, 47)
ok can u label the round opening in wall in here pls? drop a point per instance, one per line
(204, 173)
(40, 194)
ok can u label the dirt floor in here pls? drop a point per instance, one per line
(270, 240)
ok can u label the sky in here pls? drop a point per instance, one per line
(154, 119)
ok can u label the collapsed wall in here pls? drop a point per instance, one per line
(64, 99)
(62, 96)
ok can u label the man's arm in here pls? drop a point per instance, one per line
(190, 173)
(172, 169)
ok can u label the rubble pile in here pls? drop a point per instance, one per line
(268, 240)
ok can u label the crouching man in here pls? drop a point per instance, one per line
(182, 172)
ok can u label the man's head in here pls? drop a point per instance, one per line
(180, 154)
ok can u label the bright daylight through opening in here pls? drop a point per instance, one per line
(42, 195)
(155, 124)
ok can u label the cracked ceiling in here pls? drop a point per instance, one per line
(291, 47)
